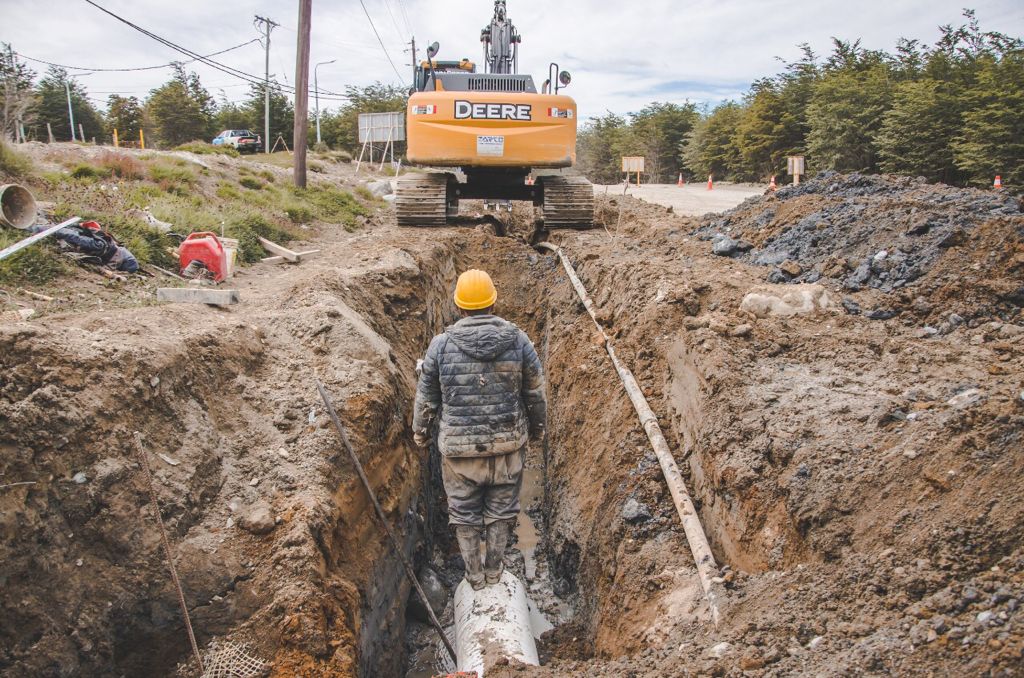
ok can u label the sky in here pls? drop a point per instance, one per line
(622, 55)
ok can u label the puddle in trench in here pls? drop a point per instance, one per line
(525, 559)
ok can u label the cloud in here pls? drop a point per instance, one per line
(622, 55)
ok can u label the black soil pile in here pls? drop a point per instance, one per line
(885, 233)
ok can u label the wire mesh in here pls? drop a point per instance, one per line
(228, 659)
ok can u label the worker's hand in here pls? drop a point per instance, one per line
(421, 439)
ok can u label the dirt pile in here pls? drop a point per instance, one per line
(884, 233)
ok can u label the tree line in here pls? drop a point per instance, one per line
(951, 112)
(179, 111)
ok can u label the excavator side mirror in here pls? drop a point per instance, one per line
(564, 78)
(433, 50)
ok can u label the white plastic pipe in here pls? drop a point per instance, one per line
(492, 623)
(707, 570)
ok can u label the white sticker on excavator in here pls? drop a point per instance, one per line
(493, 146)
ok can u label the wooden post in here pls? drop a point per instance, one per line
(142, 140)
(116, 145)
(49, 132)
(81, 133)
(302, 93)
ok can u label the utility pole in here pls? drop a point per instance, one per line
(71, 113)
(316, 93)
(268, 25)
(302, 92)
(414, 64)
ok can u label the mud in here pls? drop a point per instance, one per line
(858, 480)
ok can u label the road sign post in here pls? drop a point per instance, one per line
(633, 163)
(795, 166)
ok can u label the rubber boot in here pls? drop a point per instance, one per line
(468, 537)
(497, 540)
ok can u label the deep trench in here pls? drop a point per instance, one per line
(595, 457)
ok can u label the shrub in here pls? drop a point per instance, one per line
(248, 229)
(88, 172)
(226, 191)
(122, 165)
(251, 183)
(299, 214)
(35, 264)
(268, 175)
(365, 193)
(317, 167)
(12, 163)
(321, 147)
(203, 148)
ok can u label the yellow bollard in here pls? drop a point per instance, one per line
(142, 140)
(116, 145)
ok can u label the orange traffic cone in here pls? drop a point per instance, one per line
(999, 182)
(711, 183)
(680, 183)
(771, 184)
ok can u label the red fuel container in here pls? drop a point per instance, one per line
(206, 248)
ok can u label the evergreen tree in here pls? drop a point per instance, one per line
(125, 115)
(180, 110)
(597, 148)
(282, 114)
(340, 129)
(52, 107)
(656, 133)
(915, 134)
(18, 94)
(992, 139)
(711, 148)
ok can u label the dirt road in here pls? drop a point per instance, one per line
(691, 200)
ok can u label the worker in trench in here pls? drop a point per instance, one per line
(482, 383)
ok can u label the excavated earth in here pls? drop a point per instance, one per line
(859, 479)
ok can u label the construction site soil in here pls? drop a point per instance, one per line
(859, 479)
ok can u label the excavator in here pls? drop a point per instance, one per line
(508, 141)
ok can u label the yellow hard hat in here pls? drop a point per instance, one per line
(475, 291)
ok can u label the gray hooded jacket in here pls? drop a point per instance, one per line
(484, 377)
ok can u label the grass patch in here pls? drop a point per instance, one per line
(317, 167)
(12, 163)
(365, 193)
(268, 175)
(172, 179)
(333, 205)
(203, 148)
(36, 264)
(299, 214)
(226, 191)
(251, 183)
(84, 172)
(249, 229)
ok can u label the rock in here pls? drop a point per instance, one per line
(724, 246)
(954, 238)
(965, 399)
(718, 651)
(254, 482)
(786, 301)
(815, 642)
(380, 188)
(750, 662)
(635, 512)
(437, 595)
(851, 306)
(740, 330)
(1009, 330)
(257, 518)
(881, 314)
(939, 624)
(985, 617)
(803, 471)
(80, 478)
(791, 268)
(154, 382)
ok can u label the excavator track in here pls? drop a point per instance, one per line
(422, 199)
(568, 202)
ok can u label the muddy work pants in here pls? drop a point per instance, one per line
(482, 490)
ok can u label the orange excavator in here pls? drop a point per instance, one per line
(497, 130)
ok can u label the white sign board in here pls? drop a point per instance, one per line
(490, 145)
(632, 164)
(795, 165)
(381, 127)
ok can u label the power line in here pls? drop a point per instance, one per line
(405, 16)
(395, 68)
(393, 21)
(139, 68)
(248, 77)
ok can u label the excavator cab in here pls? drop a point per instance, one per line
(498, 130)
